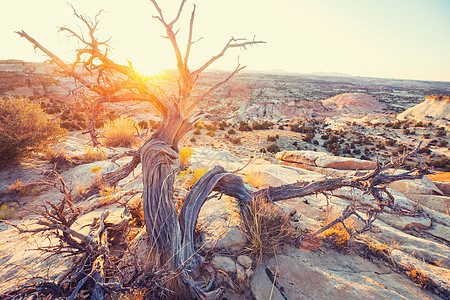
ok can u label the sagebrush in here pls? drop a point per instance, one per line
(26, 128)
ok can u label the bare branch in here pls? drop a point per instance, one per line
(189, 44)
(232, 43)
(215, 87)
(59, 62)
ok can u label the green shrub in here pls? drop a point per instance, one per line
(25, 128)
(211, 127)
(309, 137)
(236, 141)
(243, 126)
(272, 138)
(273, 148)
(262, 126)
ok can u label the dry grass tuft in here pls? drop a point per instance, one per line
(185, 155)
(120, 132)
(58, 155)
(254, 176)
(421, 279)
(266, 226)
(440, 176)
(191, 176)
(338, 234)
(93, 154)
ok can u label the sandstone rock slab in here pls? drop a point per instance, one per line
(220, 225)
(344, 163)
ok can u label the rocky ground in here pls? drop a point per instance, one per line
(402, 258)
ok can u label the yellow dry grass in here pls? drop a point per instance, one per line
(120, 132)
(184, 155)
(7, 212)
(93, 154)
(254, 176)
(338, 233)
(440, 176)
(191, 176)
(266, 227)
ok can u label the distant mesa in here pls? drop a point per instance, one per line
(434, 106)
(353, 103)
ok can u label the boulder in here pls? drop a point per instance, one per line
(306, 157)
(224, 263)
(344, 163)
(422, 186)
(435, 202)
(245, 261)
(444, 187)
(220, 225)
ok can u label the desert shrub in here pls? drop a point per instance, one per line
(380, 146)
(25, 128)
(272, 138)
(426, 135)
(424, 150)
(440, 132)
(308, 137)
(197, 132)
(231, 131)
(243, 126)
(441, 163)
(389, 142)
(7, 212)
(273, 148)
(265, 125)
(58, 155)
(119, 132)
(184, 155)
(442, 143)
(211, 127)
(93, 154)
(143, 124)
(223, 125)
(266, 227)
(301, 128)
(211, 133)
(191, 176)
(396, 125)
(237, 141)
(281, 127)
(192, 140)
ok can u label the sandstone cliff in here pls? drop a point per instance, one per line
(434, 106)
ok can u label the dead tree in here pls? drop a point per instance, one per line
(170, 235)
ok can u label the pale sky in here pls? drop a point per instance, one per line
(407, 39)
